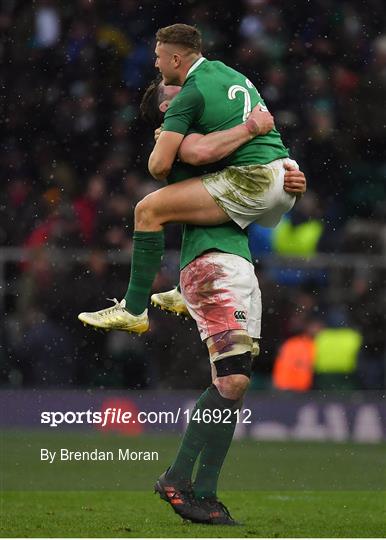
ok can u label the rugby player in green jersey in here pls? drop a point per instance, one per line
(216, 259)
(247, 185)
(222, 293)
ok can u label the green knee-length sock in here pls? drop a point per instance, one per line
(212, 458)
(148, 249)
(199, 433)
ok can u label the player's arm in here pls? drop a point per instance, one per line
(184, 110)
(164, 153)
(199, 149)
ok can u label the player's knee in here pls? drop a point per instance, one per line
(228, 343)
(233, 375)
(144, 213)
(232, 386)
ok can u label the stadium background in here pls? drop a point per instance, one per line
(73, 164)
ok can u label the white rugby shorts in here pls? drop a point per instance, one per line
(252, 193)
(222, 293)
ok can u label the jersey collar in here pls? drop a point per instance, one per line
(195, 66)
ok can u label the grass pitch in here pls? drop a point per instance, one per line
(138, 514)
(282, 489)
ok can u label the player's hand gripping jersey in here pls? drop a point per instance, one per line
(249, 183)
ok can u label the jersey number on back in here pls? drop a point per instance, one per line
(247, 98)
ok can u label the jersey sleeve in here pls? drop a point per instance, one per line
(185, 109)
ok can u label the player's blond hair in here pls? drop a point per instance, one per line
(181, 34)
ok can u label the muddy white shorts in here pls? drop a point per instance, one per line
(222, 293)
(252, 193)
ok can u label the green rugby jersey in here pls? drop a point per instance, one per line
(228, 238)
(215, 97)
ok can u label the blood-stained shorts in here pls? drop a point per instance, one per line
(222, 293)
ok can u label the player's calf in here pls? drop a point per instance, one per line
(231, 362)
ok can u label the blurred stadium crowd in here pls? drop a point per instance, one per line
(73, 163)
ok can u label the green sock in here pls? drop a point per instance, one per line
(212, 458)
(199, 433)
(148, 248)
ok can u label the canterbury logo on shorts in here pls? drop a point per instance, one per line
(240, 315)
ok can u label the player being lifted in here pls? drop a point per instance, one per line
(196, 150)
(247, 184)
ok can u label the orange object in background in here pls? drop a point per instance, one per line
(293, 369)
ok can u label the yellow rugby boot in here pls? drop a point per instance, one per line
(116, 318)
(171, 301)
